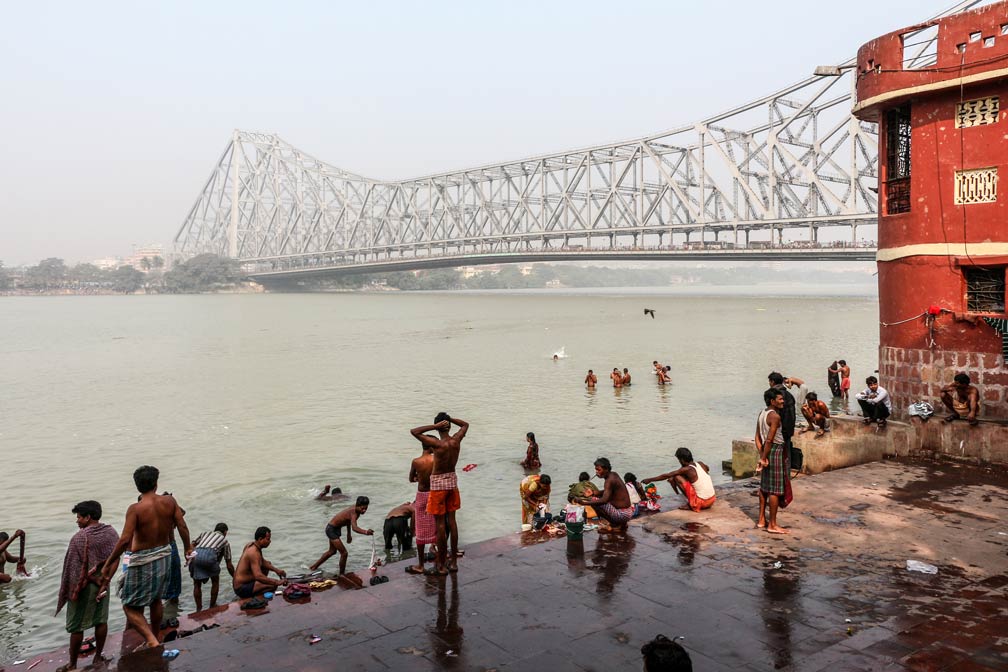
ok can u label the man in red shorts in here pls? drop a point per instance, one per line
(692, 479)
(444, 499)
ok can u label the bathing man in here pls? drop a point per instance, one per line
(444, 499)
(424, 525)
(250, 576)
(614, 502)
(148, 530)
(333, 531)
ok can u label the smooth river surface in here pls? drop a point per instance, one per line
(249, 403)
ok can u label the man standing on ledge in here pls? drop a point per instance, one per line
(85, 556)
(424, 525)
(875, 403)
(961, 399)
(773, 469)
(444, 499)
(614, 502)
(148, 530)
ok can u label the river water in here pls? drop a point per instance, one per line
(249, 403)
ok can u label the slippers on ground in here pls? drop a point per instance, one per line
(434, 571)
(171, 654)
(255, 603)
(413, 569)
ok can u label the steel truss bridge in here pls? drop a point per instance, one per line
(789, 176)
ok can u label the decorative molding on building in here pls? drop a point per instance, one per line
(942, 250)
(978, 185)
(979, 112)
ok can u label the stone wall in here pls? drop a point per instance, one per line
(918, 375)
(852, 442)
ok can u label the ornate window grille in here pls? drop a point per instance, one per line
(979, 112)
(985, 290)
(976, 186)
(897, 186)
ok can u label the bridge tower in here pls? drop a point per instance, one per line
(935, 90)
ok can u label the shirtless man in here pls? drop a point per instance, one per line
(816, 414)
(424, 525)
(148, 531)
(688, 480)
(626, 378)
(614, 502)
(330, 494)
(617, 379)
(961, 399)
(591, 379)
(844, 372)
(251, 574)
(6, 556)
(399, 526)
(346, 518)
(444, 499)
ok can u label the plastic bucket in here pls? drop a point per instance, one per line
(575, 530)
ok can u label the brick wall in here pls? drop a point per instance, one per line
(918, 375)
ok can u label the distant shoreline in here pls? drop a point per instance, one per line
(764, 290)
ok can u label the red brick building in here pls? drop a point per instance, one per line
(943, 220)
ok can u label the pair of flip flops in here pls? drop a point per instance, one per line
(255, 603)
(87, 647)
(375, 580)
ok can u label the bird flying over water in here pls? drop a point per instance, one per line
(649, 311)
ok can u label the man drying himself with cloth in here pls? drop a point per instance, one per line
(149, 526)
(211, 548)
(444, 499)
(89, 548)
(692, 480)
(334, 530)
(250, 576)
(424, 525)
(614, 502)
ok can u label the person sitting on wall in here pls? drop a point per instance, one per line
(875, 403)
(816, 413)
(962, 399)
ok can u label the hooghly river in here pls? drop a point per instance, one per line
(249, 403)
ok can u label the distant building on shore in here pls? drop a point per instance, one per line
(935, 90)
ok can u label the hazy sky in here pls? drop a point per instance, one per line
(114, 113)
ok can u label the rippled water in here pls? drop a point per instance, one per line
(249, 403)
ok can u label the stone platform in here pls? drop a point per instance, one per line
(835, 594)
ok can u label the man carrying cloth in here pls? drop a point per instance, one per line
(444, 499)
(148, 530)
(692, 479)
(87, 552)
(424, 525)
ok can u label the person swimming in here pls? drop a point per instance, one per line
(330, 494)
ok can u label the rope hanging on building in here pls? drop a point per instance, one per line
(909, 319)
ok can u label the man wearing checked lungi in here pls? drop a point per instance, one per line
(148, 530)
(424, 525)
(444, 499)
(773, 462)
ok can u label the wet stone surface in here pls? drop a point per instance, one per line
(834, 594)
